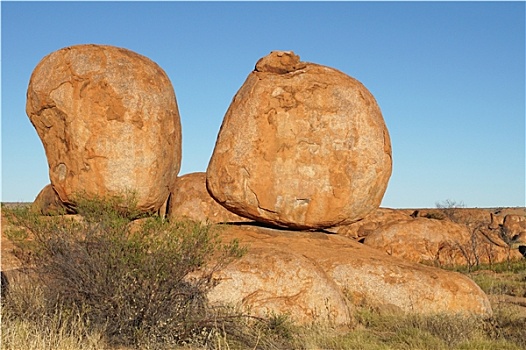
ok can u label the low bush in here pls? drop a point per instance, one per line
(448, 209)
(141, 283)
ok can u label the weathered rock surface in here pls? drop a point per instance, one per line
(319, 277)
(514, 227)
(48, 202)
(301, 146)
(191, 200)
(376, 219)
(496, 222)
(439, 242)
(109, 123)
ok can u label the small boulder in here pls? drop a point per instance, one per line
(514, 228)
(48, 202)
(109, 123)
(190, 200)
(301, 146)
(496, 221)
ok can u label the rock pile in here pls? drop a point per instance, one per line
(439, 242)
(476, 236)
(109, 122)
(302, 146)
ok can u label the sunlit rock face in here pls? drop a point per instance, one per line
(190, 200)
(321, 277)
(109, 122)
(302, 146)
(440, 242)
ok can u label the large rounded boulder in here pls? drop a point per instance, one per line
(302, 146)
(109, 123)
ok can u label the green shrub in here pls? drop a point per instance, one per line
(143, 282)
(109, 208)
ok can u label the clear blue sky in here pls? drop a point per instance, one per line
(448, 76)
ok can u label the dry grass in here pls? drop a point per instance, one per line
(503, 278)
(27, 324)
(416, 332)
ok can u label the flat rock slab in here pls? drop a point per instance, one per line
(320, 277)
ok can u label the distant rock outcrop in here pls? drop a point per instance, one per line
(191, 200)
(109, 123)
(440, 242)
(302, 146)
